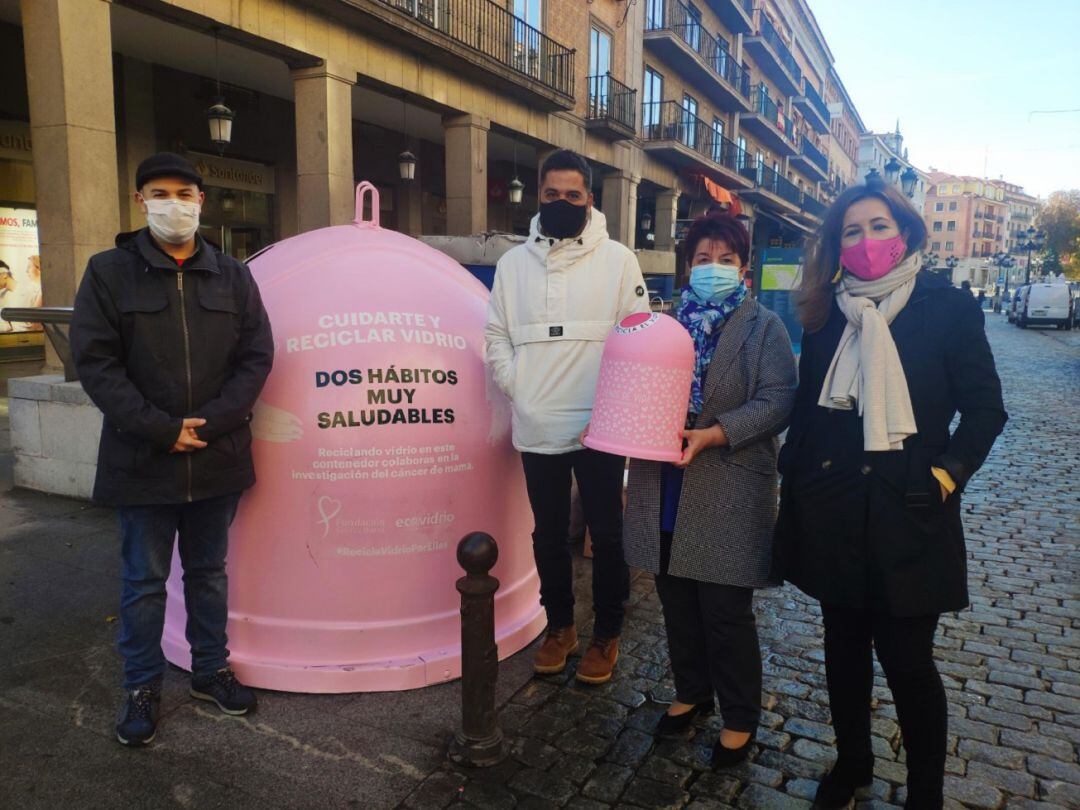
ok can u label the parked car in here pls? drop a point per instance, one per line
(1045, 304)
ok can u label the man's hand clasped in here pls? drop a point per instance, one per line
(188, 441)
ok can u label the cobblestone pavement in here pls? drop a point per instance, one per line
(1011, 662)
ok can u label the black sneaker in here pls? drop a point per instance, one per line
(138, 719)
(222, 688)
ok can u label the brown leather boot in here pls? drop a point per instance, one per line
(599, 660)
(551, 657)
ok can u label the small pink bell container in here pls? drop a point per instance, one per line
(644, 389)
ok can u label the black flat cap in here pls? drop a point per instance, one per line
(166, 164)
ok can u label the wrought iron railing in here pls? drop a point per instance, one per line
(814, 208)
(767, 178)
(768, 108)
(814, 155)
(488, 28)
(677, 18)
(815, 100)
(670, 121)
(611, 100)
(772, 36)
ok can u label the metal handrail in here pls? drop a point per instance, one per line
(772, 36)
(765, 106)
(813, 207)
(51, 320)
(610, 99)
(816, 156)
(815, 100)
(669, 121)
(769, 179)
(490, 29)
(718, 58)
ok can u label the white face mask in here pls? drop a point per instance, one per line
(172, 221)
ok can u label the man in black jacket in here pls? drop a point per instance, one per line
(172, 343)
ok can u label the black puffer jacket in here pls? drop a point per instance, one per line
(154, 345)
(869, 530)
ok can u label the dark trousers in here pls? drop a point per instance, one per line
(600, 483)
(147, 535)
(713, 647)
(905, 648)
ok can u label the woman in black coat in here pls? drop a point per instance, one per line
(869, 518)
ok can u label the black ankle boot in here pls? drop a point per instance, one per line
(839, 785)
(730, 757)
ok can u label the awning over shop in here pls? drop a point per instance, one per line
(716, 192)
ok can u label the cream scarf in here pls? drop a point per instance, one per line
(866, 370)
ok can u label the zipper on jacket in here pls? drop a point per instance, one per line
(187, 365)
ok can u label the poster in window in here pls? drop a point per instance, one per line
(20, 264)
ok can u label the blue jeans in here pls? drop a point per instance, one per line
(147, 534)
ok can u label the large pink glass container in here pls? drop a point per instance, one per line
(643, 389)
(379, 442)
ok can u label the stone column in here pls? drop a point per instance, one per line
(69, 76)
(542, 155)
(137, 139)
(667, 202)
(324, 147)
(466, 173)
(620, 206)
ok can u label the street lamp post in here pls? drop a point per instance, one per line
(1004, 263)
(892, 171)
(1030, 240)
(951, 263)
(908, 180)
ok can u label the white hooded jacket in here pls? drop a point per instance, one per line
(553, 304)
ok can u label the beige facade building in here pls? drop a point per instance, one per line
(846, 132)
(678, 105)
(971, 219)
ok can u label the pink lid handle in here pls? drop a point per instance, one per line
(362, 189)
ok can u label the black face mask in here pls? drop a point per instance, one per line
(562, 219)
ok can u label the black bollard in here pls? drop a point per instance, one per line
(479, 743)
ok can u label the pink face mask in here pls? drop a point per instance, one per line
(873, 258)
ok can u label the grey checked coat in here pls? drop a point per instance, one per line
(727, 509)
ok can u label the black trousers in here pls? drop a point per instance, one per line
(713, 646)
(905, 648)
(600, 482)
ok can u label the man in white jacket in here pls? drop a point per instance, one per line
(554, 302)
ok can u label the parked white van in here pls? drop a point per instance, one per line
(1045, 304)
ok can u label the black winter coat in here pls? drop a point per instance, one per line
(154, 345)
(869, 530)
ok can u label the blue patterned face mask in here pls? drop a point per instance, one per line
(714, 282)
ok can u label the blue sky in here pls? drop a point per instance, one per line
(963, 77)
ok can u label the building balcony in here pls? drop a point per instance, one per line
(770, 189)
(811, 161)
(737, 15)
(774, 58)
(477, 38)
(813, 108)
(612, 108)
(767, 122)
(811, 208)
(672, 134)
(685, 45)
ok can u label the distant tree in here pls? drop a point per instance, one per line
(1060, 220)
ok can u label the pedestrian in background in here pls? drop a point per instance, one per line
(172, 343)
(554, 301)
(704, 525)
(872, 477)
